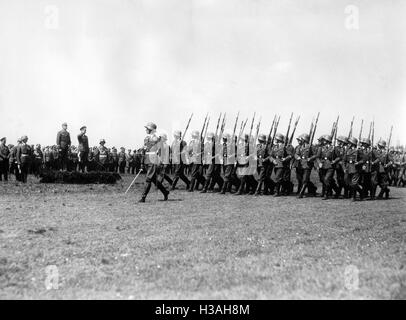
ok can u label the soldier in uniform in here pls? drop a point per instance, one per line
(83, 149)
(4, 159)
(366, 156)
(130, 161)
(37, 160)
(151, 147)
(280, 156)
(48, 158)
(328, 159)
(102, 157)
(305, 156)
(402, 165)
(262, 163)
(391, 169)
(381, 160)
(63, 142)
(121, 160)
(229, 161)
(353, 163)
(23, 158)
(55, 158)
(341, 177)
(178, 153)
(164, 154)
(114, 160)
(296, 163)
(195, 156)
(213, 171)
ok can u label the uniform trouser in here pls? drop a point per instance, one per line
(180, 174)
(261, 177)
(37, 166)
(197, 176)
(327, 178)
(164, 170)
(305, 179)
(354, 179)
(153, 176)
(379, 179)
(4, 170)
(401, 176)
(213, 176)
(83, 156)
(63, 158)
(299, 177)
(24, 171)
(341, 180)
(121, 167)
(366, 182)
(279, 171)
(286, 180)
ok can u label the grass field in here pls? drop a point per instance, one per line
(197, 246)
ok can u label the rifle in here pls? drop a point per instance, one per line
(187, 127)
(235, 125)
(334, 128)
(311, 128)
(205, 130)
(390, 136)
(223, 125)
(370, 130)
(373, 133)
(350, 133)
(274, 130)
(335, 135)
(242, 128)
(270, 132)
(294, 130)
(252, 126)
(360, 131)
(314, 129)
(287, 132)
(201, 136)
(257, 131)
(218, 124)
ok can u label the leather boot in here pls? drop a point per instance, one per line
(224, 188)
(192, 184)
(206, 186)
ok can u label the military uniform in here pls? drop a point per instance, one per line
(305, 156)
(102, 157)
(195, 157)
(164, 160)
(63, 142)
(13, 162)
(327, 162)
(48, 158)
(37, 161)
(380, 160)
(353, 164)
(262, 164)
(113, 160)
(178, 155)
(229, 161)
(83, 149)
(121, 161)
(23, 158)
(4, 160)
(280, 156)
(55, 158)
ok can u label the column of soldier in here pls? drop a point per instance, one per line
(239, 163)
(259, 164)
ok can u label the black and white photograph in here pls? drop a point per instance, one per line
(195, 150)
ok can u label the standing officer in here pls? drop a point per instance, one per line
(102, 157)
(37, 160)
(151, 147)
(23, 158)
(63, 142)
(353, 163)
(121, 160)
(178, 159)
(4, 159)
(83, 149)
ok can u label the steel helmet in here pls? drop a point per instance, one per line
(382, 143)
(366, 141)
(280, 137)
(327, 138)
(151, 126)
(195, 134)
(342, 139)
(210, 135)
(305, 137)
(177, 133)
(262, 137)
(353, 141)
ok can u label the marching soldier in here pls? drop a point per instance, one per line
(195, 156)
(164, 160)
(342, 178)
(296, 163)
(305, 156)
(4, 159)
(122, 160)
(63, 142)
(402, 167)
(212, 171)
(380, 162)
(151, 147)
(83, 149)
(178, 160)
(262, 166)
(366, 156)
(23, 158)
(328, 159)
(244, 170)
(280, 157)
(353, 163)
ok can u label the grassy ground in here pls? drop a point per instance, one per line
(105, 245)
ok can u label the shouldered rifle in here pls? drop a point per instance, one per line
(373, 133)
(287, 132)
(370, 130)
(334, 128)
(314, 129)
(252, 126)
(187, 127)
(390, 136)
(257, 131)
(235, 125)
(268, 141)
(360, 132)
(275, 129)
(218, 124)
(294, 130)
(352, 123)
(223, 125)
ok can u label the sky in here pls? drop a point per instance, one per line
(114, 65)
